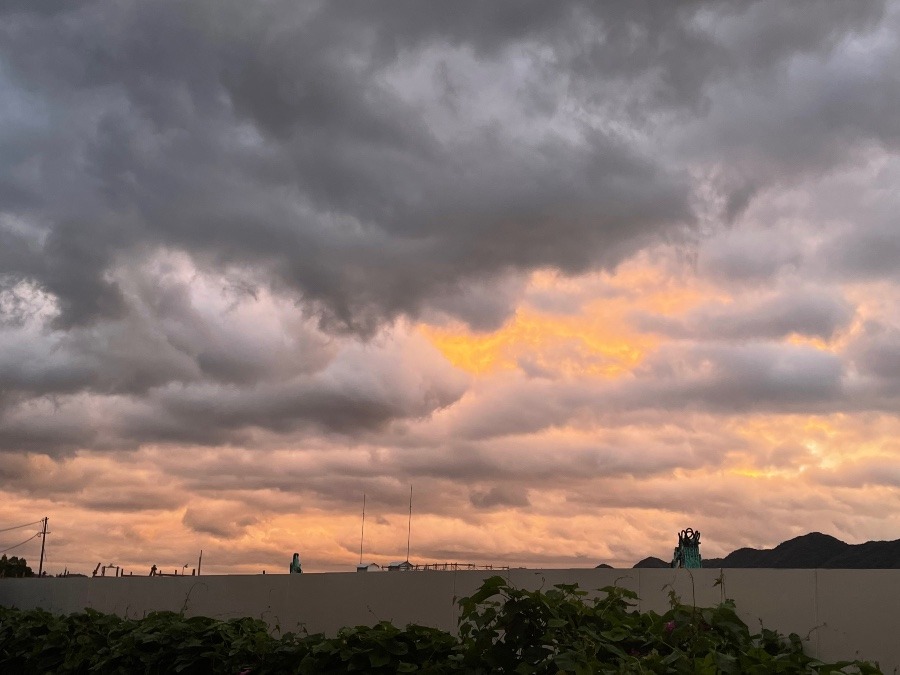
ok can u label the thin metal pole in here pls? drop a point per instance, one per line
(43, 541)
(199, 562)
(363, 529)
(409, 528)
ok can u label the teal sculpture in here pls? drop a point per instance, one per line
(687, 553)
(295, 564)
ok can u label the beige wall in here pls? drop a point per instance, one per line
(846, 613)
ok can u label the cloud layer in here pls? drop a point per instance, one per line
(583, 274)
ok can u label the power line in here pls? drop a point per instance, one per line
(35, 535)
(16, 527)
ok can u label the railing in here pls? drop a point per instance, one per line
(455, 566)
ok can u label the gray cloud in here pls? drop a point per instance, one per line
(750, 377)
(304, 141)
(179, 330)
(875, 353)
(860, 474)
(721, 378)
(811, 104)
(499, 496)
(361, 389)
(868, 252)
(749, 255)
(807, 312)
(221, 520)
(287, 149)
(130, 499)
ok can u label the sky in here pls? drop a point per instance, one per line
(581, 274)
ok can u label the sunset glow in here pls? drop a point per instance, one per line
(581, 275)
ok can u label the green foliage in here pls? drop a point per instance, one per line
(38, 642)
(502, 630)
(510, 630)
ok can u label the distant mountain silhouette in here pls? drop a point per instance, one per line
(815, 550)
(652, 562)
(871, 555)
(810, 551)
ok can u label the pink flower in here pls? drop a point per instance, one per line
(670, 626)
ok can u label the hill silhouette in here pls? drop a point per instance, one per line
(652, 562)
(809, 551)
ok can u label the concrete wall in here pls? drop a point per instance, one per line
(846, 613)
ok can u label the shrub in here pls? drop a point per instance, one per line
(502, 629)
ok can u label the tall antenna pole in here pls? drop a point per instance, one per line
(199, 562)
(43, 541)
(363, 529)
(409, 528)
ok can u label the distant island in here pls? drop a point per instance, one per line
(809, 551)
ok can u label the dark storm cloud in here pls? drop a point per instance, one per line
(371, 162)
(45, 427)
(273, 140)
(817, 96)
(269, 134)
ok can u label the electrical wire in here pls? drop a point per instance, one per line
(36, 534)
(16, 527)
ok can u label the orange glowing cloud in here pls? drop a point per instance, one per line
(596, 340)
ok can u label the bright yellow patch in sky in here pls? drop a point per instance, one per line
(588, 344)
(755, 473)
(598, 339)
(814, 342)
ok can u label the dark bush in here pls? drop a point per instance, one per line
(502, 630)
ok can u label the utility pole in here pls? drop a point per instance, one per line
(362, 531)
(199, 562)
(43, 541)
(409, 527)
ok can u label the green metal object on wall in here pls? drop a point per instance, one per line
(687, 553)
